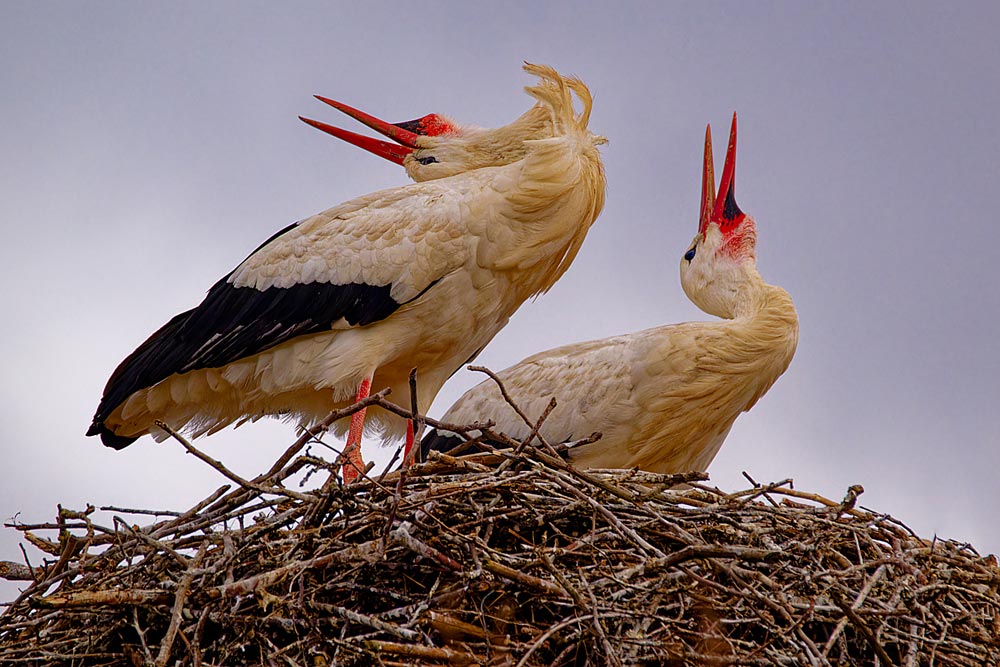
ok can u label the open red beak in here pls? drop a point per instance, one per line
(406, 134)
(726, 212)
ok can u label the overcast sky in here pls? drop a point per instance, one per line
(146, 149)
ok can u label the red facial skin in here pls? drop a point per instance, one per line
(407, 134)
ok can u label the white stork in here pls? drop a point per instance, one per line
(664, 398)
(422, 276)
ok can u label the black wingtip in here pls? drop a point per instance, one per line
(109, 438)
(438, 441)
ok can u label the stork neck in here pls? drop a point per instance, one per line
(761, 341)
(751, 296)
(765, 317)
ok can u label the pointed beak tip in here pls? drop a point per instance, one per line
(316, 124)
(393, 131)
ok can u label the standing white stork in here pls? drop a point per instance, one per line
(422, 276)
(664, 398)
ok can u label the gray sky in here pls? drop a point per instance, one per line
(146, 149)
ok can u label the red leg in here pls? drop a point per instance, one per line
(354, 464)
(408, 449)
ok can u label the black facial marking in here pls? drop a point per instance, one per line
(430, 159)
(689, 255)
(731, 211)
(416, 126)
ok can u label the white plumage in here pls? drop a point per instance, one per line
(664, 398)
(422, 276)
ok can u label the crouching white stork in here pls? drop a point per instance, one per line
(422, 276)
(664, 398)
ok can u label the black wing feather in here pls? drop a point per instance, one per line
(438, 441)
(233, 323)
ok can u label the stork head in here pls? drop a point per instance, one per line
(435, 146)
(721, 260)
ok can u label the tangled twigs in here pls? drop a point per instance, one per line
(457, 563)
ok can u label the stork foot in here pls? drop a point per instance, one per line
(354, 464)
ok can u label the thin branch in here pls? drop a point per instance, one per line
(175, 615)
(226, 472)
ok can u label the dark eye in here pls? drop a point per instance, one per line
(689, 255)
(430, 159)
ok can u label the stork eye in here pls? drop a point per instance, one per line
(689, 255)
(430, 159)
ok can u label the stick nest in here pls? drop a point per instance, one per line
(536, 563)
